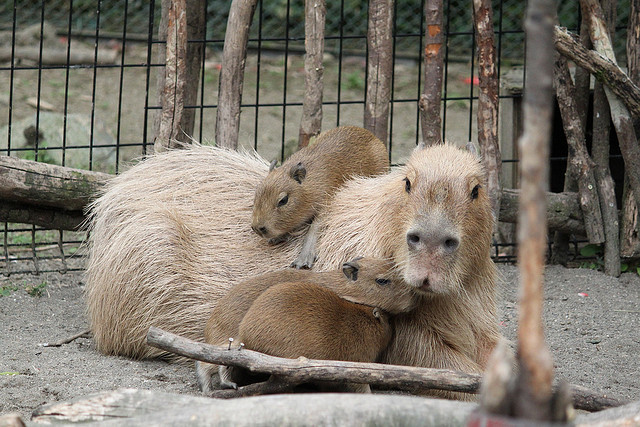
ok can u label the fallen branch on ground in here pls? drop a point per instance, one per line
(304, 370)
(86, 333)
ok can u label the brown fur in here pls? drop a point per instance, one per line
(363, 280)
(337, 155)
(172, 235)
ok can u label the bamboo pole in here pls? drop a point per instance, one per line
(430, 102)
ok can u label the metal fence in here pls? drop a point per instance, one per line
(78, 86)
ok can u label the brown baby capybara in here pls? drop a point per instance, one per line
(363, 281)
(172, 235)
(291, 195)
(302, 319)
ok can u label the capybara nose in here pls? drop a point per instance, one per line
(417, 240)
(260, 231)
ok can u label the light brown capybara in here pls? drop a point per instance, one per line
(291, 195)
(366, 281)
(172, 235)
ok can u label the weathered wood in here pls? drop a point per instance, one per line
(311, 122)
(630, 227)
(172, 90)
(581, 162)
(51, 218)
(305, 370)
(133, 407)
(234, 56)
(533, 395)
(600, 154)
(379, 67)
(605, 69)
(488, 98)
(45, 185)
(430, 102)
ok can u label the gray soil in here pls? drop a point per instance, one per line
(592, 324)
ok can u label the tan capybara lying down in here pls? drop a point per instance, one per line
(367, 281)
(173, 234)
(291, 195)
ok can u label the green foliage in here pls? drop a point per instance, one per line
(354, 81)
(597, 263)
(36, 290)
(5, 291)
(9, 373)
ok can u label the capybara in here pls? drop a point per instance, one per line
(172, 235)
(363, 280)
(303, 319)
(291, 195)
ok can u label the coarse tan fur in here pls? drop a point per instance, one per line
(291, 195)
(362, 280)
(303, 319)
(172, 235)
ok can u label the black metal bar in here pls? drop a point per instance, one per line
(93, 90)
(66, 86)
(121, 83)
(258, 59)
(145, 127)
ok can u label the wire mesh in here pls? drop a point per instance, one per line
(97, 113)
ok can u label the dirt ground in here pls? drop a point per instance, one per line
(592, 324)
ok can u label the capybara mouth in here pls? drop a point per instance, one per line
(277, 240)
(425, 286)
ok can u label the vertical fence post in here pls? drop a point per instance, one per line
(430, 101)
(534, 386)
(379, 67)
(234, 56)
(488, 98)
(311, 122)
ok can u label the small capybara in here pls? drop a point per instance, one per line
(291, 195)
(172, 235)
(363, 281)
(302, 319)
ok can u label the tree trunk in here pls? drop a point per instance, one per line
(430, 102)
(379, 68)
(534, 384)
(314, 21)
(488, 99)
(234, 57)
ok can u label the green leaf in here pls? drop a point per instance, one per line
(591, 250)
(624, 267)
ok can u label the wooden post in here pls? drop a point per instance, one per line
(311, 123)
(619, 113)
(175, 76)
(379, 67)
(234, 56)
(488, 98)
(430, 102)
(630, 227)
(534, 385)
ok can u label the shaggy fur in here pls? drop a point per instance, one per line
(172, 235)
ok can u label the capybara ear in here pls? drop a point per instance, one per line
(298, 172)
(421, 145)
(376, 313)
(350, 270)
(273, 164)
(471, 147)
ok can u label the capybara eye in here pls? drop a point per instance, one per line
(474, 192)
(283, 201)
(407, 185)
(382, 282)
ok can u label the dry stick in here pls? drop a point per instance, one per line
(431, 98)
(302, 370)
(234, 57)
(72, 338)
(619, 113)
(196, 30)
(314, 21)
(630, 228)
(601, 66)
(581, 162)
(488, 98)
(172, 88)
(534, 384)
(379, 67)
(600, 154)
(58, 56)
(560, 249)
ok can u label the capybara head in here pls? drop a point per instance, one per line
(282, 203)
(446, 218)
(375, 282)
